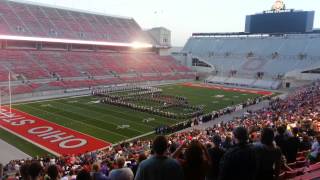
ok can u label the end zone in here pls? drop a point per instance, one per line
(54, 138)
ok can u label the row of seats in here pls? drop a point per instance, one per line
(34, 20)
(249, 55)
(261, 46)
(301, 169)
(248, 82)
(86, 83)
(31, 65)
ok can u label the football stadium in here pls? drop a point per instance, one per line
(90, 96)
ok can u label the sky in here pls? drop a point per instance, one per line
(183, 17)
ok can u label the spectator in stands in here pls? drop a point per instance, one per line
(227, 143)
(24, 172)
(121, 173)
(35, 170)
(305, 144)
(268, 156)
(142, 157)
(297, 109)
(315, 150)
(281, 138)
(239, 162)
(1, 171)
(292, 145)
(215, 153)
(53, 172)
(159, 166)
(196, 160)
(97, 174)
(104, 168)
(83, 175)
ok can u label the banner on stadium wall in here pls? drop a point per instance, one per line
(54, 138)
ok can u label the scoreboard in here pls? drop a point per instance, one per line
(288, 21)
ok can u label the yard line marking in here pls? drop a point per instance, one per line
(77, 107)
(103, 115)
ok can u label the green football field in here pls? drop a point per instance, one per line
(103, 121)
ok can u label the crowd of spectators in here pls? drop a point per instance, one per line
(258, 145)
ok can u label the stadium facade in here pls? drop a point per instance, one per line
(52, 51)
(278, 49)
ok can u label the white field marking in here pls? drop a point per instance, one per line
(113, 117)
(148, 120)
(45, 105)
(75, 101)
(72, 97)
(78, 121)
(131, 139)
(124, 126)
(219, 96)
(93, 102)
(53, 99)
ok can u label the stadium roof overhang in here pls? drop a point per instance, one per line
(231, 34)
(135, 44)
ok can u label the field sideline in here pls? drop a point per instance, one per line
(103, 121)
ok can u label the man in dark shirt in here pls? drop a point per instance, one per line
(239, 162)
(268, 156)
(305, 144)
(159, 166)
(292, 146)
(215, 153)
(281, 139)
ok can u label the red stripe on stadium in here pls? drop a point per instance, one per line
(52, 137)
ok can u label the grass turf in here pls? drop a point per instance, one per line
(102, 121)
